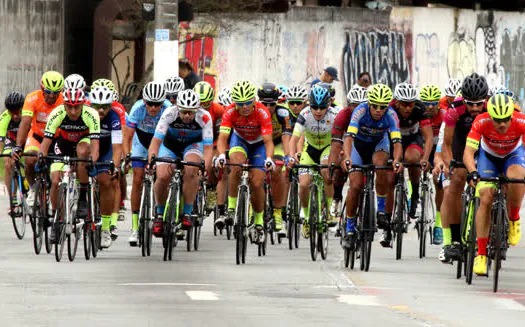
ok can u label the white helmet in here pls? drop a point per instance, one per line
(74, 81)
(188, 100)
(453, 87)
(357, 94)
(174, 85)
(405, 92)
(500, 89)
(297, 92)
(224, 97)
(101, 95)
(154, 92)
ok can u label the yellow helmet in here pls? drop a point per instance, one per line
(205, 91)
(379, 94)
(243, 91)
(500, 106)
(52, 81)
(430, 93)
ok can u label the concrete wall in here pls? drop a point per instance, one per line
(31, 42)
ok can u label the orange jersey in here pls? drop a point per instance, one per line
(499, 145)
(35, 106)
(443, 103)
(216, 111)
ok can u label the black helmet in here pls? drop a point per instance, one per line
(14, 101)
(268, 92)
(474, 87)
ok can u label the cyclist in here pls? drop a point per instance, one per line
(9, 122)
(110, 148)
(224, 97)
(173, 86)
(269, 95)
(37, 107)
(497, 135)
(416, 136)
(282, 96)
(251, 139)
(458, 120)
(184, 131)
(141, 123)
(356, 96)
(451, 92)
(315, 122)
(297, 100)
(75, 127)
(430, 95)
(367, 142)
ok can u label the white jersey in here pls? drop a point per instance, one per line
(318, 133)
(176, 133)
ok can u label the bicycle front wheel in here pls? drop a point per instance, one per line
(498, 243)
(314, 213)
(86, 237)
(60, 224)
(72, 240)
(16, 199)
(399, 220)
(240, 226)
(471, 240)
(38, 216)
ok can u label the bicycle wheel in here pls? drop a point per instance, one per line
(215, 216)
(229, 230)
(323, 240)
(297, 231)
(314, 213)
(145, 220)
(47, 242)
(72, 240)
(399, 216)
(197, 236)
(241, 219)
(38, 215)
(370, 224)
(189, 238)
(60, 225)
(17, 212)
(498, 243)
(86, 238)
(95, 225)
(471, 240)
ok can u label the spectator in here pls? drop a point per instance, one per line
(364, 79)
(328, 76)
(186, 72)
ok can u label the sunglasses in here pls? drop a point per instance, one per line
(378, 106)
(187, 111)
(474, 103)
(245, 103)
(171, 96)
(269, 104)
(51, 92)
(295, 103)
(406, 104)
(154, 104)
(501, 120)
(430, 103)
(101, 106)
(319, 108)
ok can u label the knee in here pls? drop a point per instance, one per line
(83, 150)
(8, 165)
(257, 183)
(190, 173)
(356, 184)
(55, 179)
(138, 175)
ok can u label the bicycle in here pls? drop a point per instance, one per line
(18, 208)
(172, 223)
(40, 216)
(499, 226)
(292, 210)
(147, 207)
(470, 205)
(318, 218)
(425, 221)
(199, 210)
(228, 227)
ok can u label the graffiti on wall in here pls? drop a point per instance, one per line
(381, 53)
(512, 57)
(427, 59)
(315, 53)
(461, 55)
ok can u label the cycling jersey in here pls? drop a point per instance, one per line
(252, 128)
(318, 133)
(177, 135)
(436, 122)
(88, 124)
(341, 122)
(110, 133)
(8, 127)
(216, 111)
(280, 123)
(412, 124)
(120, 110)
(443, 103)
(363, 127)
(498, 145)
(144, 124)
(292, 119)
(35, 106)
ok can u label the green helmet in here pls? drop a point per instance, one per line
(103, 82)
(205, 91)
(52, 81)
(243, 91)
(430, 93)
(500, 106)
(379, 94)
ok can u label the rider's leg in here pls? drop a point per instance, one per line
(107, 199)
(191, 182)
(413, 155)
(451, 208)
(257, 177)
(8, 168)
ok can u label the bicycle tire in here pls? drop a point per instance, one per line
(290, 209)
(17, 196)
(229, 230)
(86, 238)
(323, 234)
(498, 244)
(471, 242)
(313, 217)
(370, 223)
(215, 216)
(72, 240)
(241, 238)
(37, 217)
(189, 238)
(297, 232)
(346, 257)
(421, 227)
(399, 220)
(96, 228)
(196, 237)
(459, 268)
(47, 242)
(60, 224)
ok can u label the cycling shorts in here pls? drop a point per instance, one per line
(195, 148)
(362, 152)
(256, 152)
(432, 155)
(8, 146)
(278, 152)
(65, 148)
(33, 142)
(491, 166)
(138, 150)
(413, 142)
(312, 156)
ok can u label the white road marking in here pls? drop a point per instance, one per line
(366, 300)
(202, 296)
(164, 284)
(509, 304)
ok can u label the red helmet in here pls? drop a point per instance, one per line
(74, 97)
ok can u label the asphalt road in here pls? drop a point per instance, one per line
(285, 288)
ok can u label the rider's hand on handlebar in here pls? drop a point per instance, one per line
(220, 161)
(425, 165)
(17, 152)
(346, 165)
(398, 166)
(269, 164)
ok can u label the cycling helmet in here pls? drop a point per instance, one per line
(500, 106)
(188, 100)
(14, 101)
(205, 91)
(243, 91)
(284, 90)
(174, 85)
(474, 87)
(73, 97)
(154, 92)
(268, 92)
(430, 93)
(224, 97)
(327, 86)
(74, 81)
(101, 95)
(357, 94)
(500, 89)
(52, 81)
(297, 92)
(405, 92)
(103, 82)
(319, 96)
(379, 94)
(453, 87)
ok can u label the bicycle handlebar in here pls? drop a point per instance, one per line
(502, 180)
(179, 163)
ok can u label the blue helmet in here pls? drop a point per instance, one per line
(319, 96)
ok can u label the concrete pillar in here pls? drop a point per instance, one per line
(166, 54)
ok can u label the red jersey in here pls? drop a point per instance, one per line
(216, 111)
(494, 143)
(436, 122)
(443, 103)
(120, 110)
(341, 122)
(251, 128)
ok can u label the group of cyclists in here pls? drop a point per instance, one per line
(275, 128)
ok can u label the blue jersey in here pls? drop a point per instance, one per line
(110, 132)
(144, 124)
(364, 128)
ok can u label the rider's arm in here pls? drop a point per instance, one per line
(44, 146)
(5, 118)
(116, 141)
(224, 131)
(92, 120)
(128, 139)
(154, 147)
(207, 137)
(446, 150)
(472, 145)
(268, 144)
(132, 120)
(25, 124)
(428, 134)
(347, 146)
